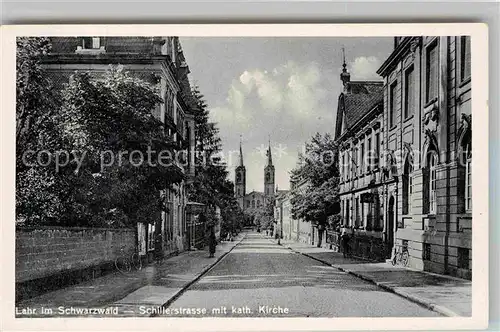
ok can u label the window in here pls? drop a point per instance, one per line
(362, 159)
(342, 167)
(468, 177)
(369, 154)
(91, 42)
(253, 203)
(392, 105)
(407, 186)
(355, 161)
(358, 212)
(464, 58)
(347, 222)
(247, 203)
(463, 258)
(169, 105)
(377, 149)
(432, 182)
(151, 237)
(348, 165)
(431, 75)
(427, 252)
(409, 93)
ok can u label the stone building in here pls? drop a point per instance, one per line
(157, 60)
(359, 136)
(427, 139)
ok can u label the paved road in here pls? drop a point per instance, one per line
(261, 279)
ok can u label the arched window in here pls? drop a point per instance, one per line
(253, 203)
(466, 160)
(432, 162)
(407, 185)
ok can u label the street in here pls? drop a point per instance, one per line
(259, 278)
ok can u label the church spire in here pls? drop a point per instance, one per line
(345, 77)
(241, 154)
(269, 155)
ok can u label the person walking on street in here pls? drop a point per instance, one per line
(212, 242)
(345, 244)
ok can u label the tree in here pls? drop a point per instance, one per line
(113, 117)
(317, 198)
(210, 185)
(38, 189)
(107, 129)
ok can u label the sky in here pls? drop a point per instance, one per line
(282, 90)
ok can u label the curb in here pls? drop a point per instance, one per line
(431, 306)
(198, 277)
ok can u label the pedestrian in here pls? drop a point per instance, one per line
(212, 242)
(345, 243)
(158, 253)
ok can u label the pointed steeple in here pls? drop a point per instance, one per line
(269, 155)
(345, 77)
(241, 154)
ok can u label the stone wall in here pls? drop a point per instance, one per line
(47, 251)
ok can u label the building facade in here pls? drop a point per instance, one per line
(301, 230)
(427, 138)
(159, 61)
(282, 214)
(359, 136)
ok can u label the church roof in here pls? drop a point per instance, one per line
(258, 193)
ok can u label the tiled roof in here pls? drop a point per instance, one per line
(361, 99)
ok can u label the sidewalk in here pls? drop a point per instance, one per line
(446, 295)
(155, 285)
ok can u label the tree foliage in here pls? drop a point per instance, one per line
(39, 190)
(315, 194)
(106, 128)
(211, 185)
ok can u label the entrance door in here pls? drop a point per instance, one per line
(390, 226)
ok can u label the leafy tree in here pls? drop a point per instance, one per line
(109, 117)
(38, 189)
(113, 117)
(317, 198)
(210, 185)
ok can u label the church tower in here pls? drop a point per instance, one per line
(240, 180)
(269, 176)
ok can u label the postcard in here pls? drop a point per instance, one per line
(245, 177)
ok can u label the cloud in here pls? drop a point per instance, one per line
(365, 68)
(286, 102)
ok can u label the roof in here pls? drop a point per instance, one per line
(354, 105)
(258, 193)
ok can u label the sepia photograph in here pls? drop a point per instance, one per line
(186, 176)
